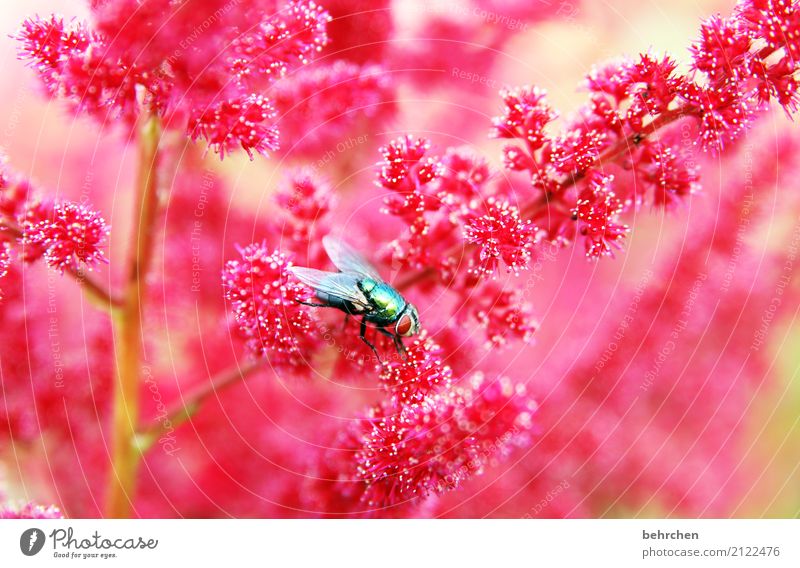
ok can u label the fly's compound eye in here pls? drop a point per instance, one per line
(405, 325)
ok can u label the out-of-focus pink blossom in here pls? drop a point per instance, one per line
(360, 30)
(31, 511)
(321, 104)
(277, 44)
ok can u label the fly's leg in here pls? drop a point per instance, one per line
(401, 348)
(363, 336)
(398, 343)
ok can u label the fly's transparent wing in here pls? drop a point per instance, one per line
(348, 259)
(339, 284)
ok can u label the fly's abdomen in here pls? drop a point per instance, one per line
(338, 303)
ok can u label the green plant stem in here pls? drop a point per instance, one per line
(128, 334)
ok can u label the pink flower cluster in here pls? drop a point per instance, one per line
(148, 53)
(444, 200)
(432, 432)
(265, 303)
(67, 235)
(608, 160)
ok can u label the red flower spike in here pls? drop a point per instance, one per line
(596, 211)
(284, 41)
(501, 235)
(72, 63)
(516, 160)
(463, 176)
(242, 122)
(526, 114)
(724, 112)
(68, 236)
(610, 79)
(776, 22)
(577, 150)
(777, 81)
(47, 43)
(436, 445)
(308, 201)
(652, 87)
(405, 167)
(264, 300)
(422, 372)
(722, 50)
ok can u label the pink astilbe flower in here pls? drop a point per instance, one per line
(596, 210)
(748, 59)
(724, 113)
(286, 40)
(264, 299)
(31, 511)
(600, 415)
(72, 64)
(652, 410)
(525, 116)
(162, 56)
(421, 373)
(70, 236)
(733, 78)
(421, 187)
(723, 46)
(775, 22)
(669, 177)
(442, 197)
(406, 170)
(432, 433)
(238, 123)
(464, 178)
(431, 447)
(501, 234)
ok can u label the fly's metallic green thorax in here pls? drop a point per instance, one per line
(358, 289)
(387, 301)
